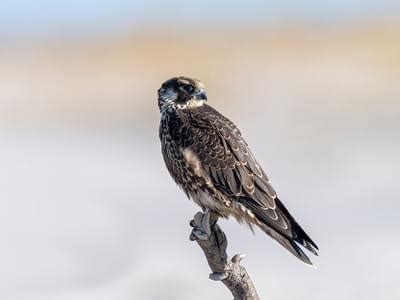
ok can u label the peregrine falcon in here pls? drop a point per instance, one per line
(208, 158)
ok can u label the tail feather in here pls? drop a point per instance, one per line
(292, 236)
(289, 244)
(301, 236)
(310, 248)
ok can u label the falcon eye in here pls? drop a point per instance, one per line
(188, 88)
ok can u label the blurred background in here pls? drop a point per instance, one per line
(87, 208)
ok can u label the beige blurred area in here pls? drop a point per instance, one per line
(88, 210)
(115, 78)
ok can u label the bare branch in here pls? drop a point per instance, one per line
(213, 242)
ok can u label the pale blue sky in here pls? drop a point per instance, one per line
(46, 16)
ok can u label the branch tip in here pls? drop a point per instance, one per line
(212, 240)
(238, 258)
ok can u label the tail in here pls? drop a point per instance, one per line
(281, 226)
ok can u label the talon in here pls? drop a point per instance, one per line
(192, 237)
(200, 234)
(219, 276)
(202, 229)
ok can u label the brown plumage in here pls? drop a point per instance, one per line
(208, 158)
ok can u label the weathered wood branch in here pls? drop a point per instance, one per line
(213, 242)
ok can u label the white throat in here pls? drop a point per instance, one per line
(168, 103)
(191, 104)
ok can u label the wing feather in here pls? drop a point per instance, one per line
(228, 159)
(234, 172)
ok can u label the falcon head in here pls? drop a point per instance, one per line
(181, 93)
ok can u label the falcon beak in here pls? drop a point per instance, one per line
(201, 95)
